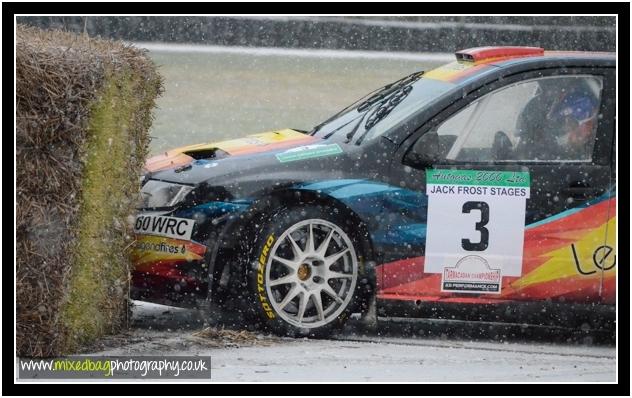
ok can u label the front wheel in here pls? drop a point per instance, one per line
(305, 272)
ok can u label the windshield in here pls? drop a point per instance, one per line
(359, 118)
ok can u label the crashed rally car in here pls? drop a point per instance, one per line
(485, 188)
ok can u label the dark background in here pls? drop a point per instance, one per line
(427, 33)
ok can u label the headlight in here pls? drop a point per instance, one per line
(163, 194)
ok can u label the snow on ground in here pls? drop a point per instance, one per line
(349, 357)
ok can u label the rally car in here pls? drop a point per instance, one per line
(482, 187)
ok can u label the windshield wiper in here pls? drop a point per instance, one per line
(383, 110)
(388, 103)
(389, 89)
(351, 133)
(318, 127)
(332, 132)
(379, 95)
(386, 108)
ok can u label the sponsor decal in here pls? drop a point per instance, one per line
(160, 247)
(148, 251)
(478, 178)
(308, 152)
(486, 214)
(261, 268)
(604, 258)
(170, 227)
(471, 274)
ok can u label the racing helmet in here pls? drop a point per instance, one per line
(573, 115)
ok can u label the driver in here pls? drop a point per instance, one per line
(558, 123)
(574, 116)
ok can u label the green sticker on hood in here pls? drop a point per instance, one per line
(308, 152)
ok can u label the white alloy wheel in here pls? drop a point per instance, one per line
(311, 273)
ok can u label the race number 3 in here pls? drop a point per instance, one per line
(475, 226)
(480, 226)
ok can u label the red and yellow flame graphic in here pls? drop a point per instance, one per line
(571, 258)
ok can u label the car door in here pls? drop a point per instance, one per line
(605, 258)
(545, 242)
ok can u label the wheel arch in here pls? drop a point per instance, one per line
(235, 235)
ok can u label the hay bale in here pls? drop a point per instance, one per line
(83, 114)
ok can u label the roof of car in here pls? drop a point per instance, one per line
(556, 55)
(487, 54)
(474, 62)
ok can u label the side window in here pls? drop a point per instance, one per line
(544, 119)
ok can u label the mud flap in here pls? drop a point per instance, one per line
(369, 318)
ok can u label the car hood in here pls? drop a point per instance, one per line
(252, 144)
(271, 160)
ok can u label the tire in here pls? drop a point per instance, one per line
(302, 286)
